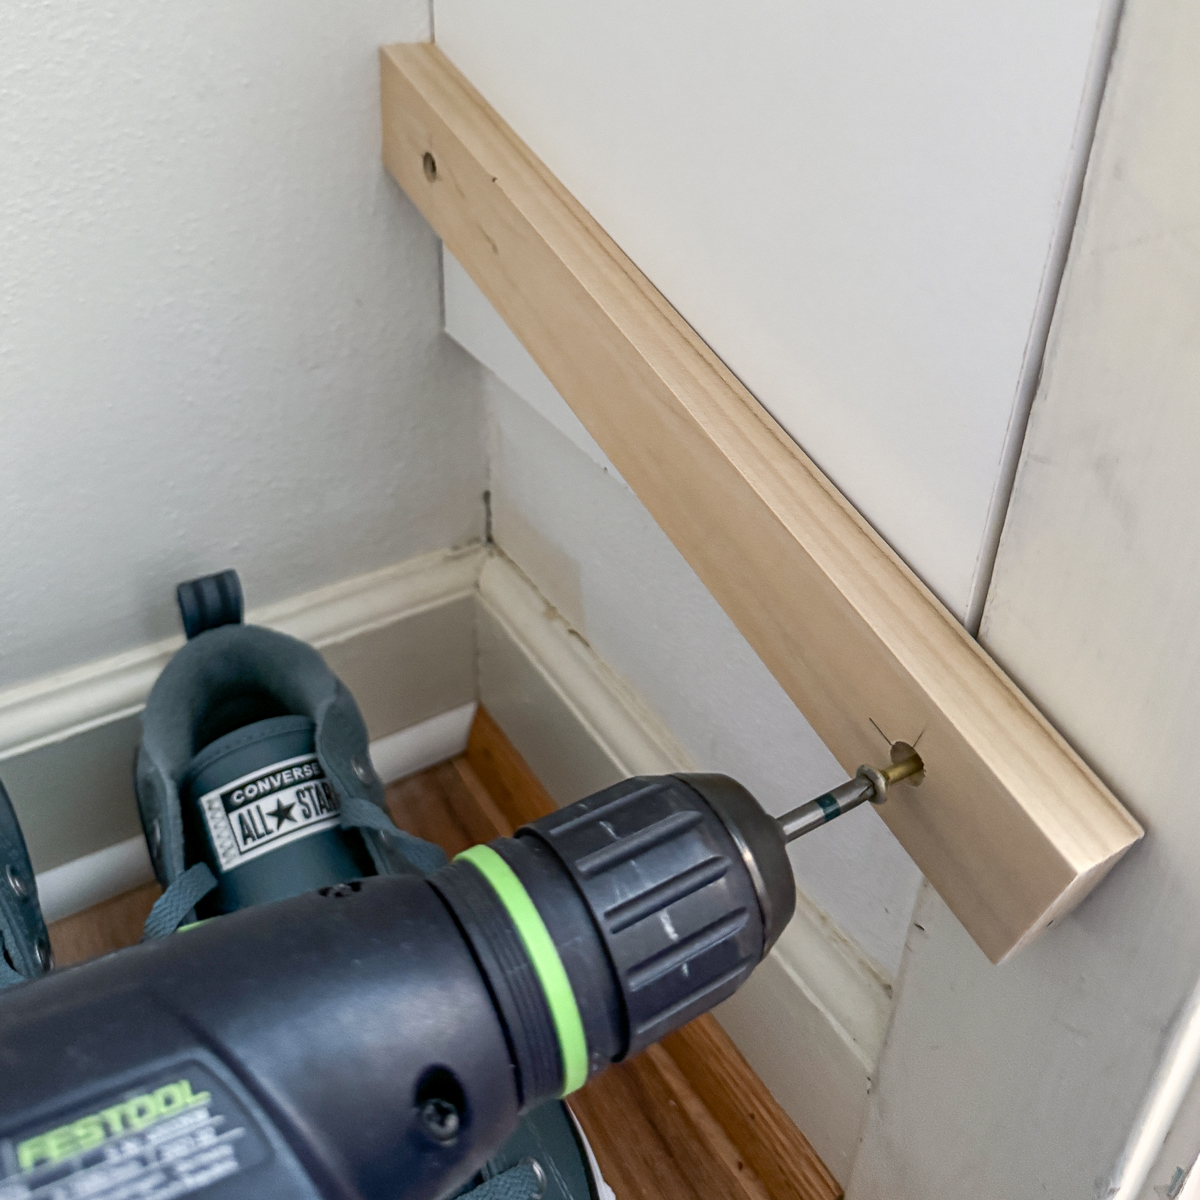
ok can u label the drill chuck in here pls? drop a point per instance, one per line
(638, 909)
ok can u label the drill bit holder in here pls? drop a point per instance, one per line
(869, 783)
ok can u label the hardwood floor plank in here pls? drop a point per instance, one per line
(436, 805)
(104, 927)
(487, 815)
(653, 1137)
(779, 1153)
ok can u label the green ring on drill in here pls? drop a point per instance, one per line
(543, 954)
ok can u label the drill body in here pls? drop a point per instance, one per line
(380, 1038)
(278, 1052)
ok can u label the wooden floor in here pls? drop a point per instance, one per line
(685, 1120)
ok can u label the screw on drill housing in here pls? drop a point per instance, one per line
(441, 1119)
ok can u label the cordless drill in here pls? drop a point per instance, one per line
(381, 1037)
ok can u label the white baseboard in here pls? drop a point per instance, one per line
(92, 878)
(59, 706)
(811, 1022)
(812, 1019)
(614, 718)
(422, 745)
(76, 885)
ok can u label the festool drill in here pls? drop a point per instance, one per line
(381, 1037)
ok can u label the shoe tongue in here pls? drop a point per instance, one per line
(253, 747)
(258, 810)
(229, 711)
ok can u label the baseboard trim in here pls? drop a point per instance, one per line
(606, 708)
(56, 707)
(422, 745)
(93, 878)
(812, 1020)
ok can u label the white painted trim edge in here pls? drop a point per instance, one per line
(825, 968)
(424, 744)
(1175, 1074)
(615, 718)
(59, 706)
(94, 878)
(837, 979)
(76, 885)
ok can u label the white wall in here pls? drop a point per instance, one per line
(857, 205)
(1028, 1079)
(219, 319)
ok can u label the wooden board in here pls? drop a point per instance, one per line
(1010, 825)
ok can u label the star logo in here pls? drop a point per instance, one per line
(281, 812)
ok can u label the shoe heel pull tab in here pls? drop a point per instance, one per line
(210, 601)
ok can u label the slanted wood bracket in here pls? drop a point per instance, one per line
(1009, 825)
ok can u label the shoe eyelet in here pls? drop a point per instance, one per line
(539, 1175)
(18, 885)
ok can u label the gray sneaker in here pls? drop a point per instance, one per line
(254, 772)
(24, 944)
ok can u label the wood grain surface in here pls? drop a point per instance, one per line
(1010, 825)
(104, 927)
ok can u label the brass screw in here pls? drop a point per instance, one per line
(906, 764)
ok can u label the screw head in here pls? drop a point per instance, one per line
(19, 887)
(440, 1119)
(429, 163)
